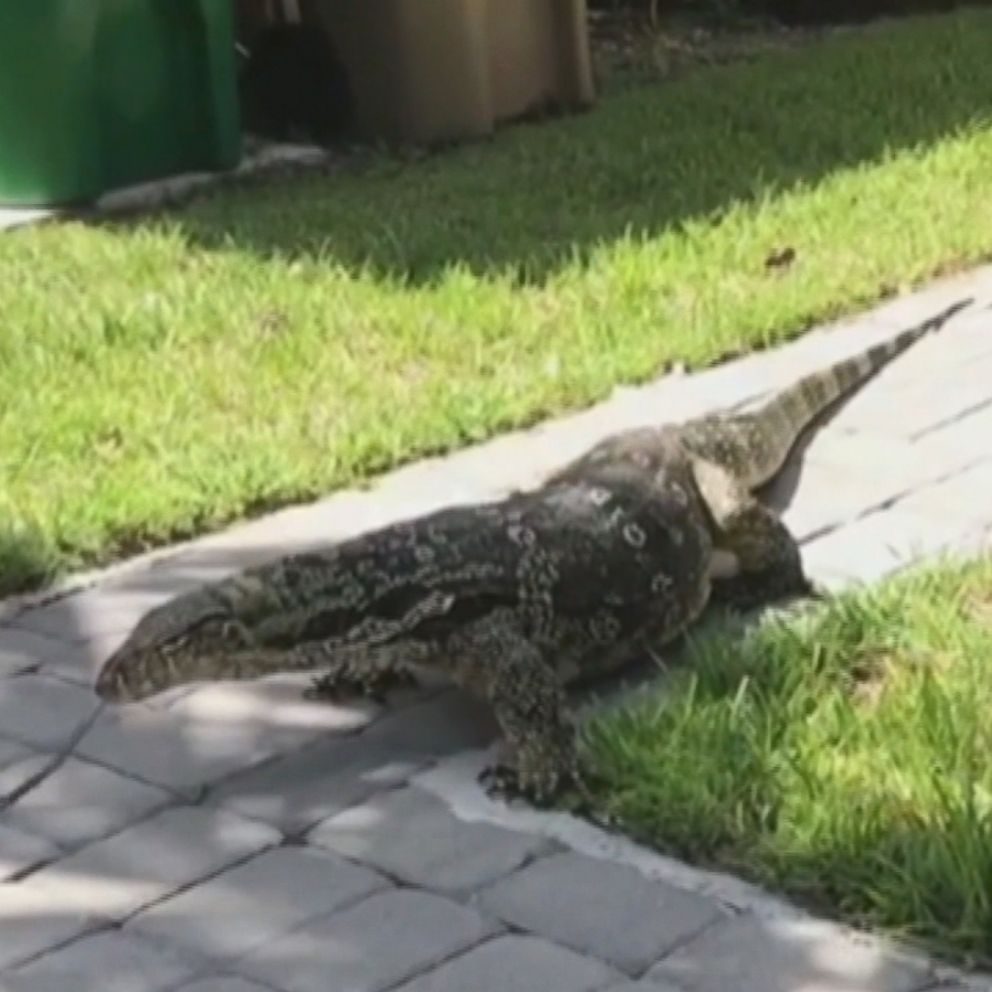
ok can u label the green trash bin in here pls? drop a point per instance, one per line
(97, 94)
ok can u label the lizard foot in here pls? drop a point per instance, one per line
(537, 772)
(371, 683)
(500, 782)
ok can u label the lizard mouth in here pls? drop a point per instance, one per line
(129, 677)
(123, 680)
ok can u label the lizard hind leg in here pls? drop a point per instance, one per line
(493, 658)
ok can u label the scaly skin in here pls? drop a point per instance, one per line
(515, 599)
(512, 600)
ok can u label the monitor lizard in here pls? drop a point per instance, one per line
(515, 599)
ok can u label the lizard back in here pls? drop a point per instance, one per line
(597, 552)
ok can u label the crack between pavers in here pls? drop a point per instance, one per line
(54, 640)
(215, 973)
(297, 834)
(184, 795)
(198, 794)
(441, 961)
(395, 881)
(228, 964)
(690, 938)
(373, 790)
(345, 907)
(202, 965)
(98, 925)
(7, 739)
(467, 896)
(73, 849)
(65, 751)
(119, 922)
(505, 928)
(888, 503)
(59, 675)
(299, 837)
(193, 796)
(532, 859)
(126, 918)
(30, 668)
(954, 419)
(319, 739)
(516, 930)
(236, 962)
(29, 870)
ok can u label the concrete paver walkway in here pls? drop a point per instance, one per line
(235, 838)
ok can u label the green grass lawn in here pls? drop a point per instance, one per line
(159, 377)
(841, 756)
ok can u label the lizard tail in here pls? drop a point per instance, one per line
(800, 403)
(752, 446)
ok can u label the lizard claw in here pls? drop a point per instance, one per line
(504, 782)
(500, 782)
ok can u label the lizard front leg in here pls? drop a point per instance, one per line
(352, 670)
(495, 659)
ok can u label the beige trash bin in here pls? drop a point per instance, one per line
(434, 70)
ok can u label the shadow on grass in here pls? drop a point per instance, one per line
(26, 560)
(644, 162)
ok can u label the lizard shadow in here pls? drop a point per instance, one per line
(780, 493)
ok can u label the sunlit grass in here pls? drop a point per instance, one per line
(268, 344)
(842, 756)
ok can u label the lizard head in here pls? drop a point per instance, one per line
(181, 641)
